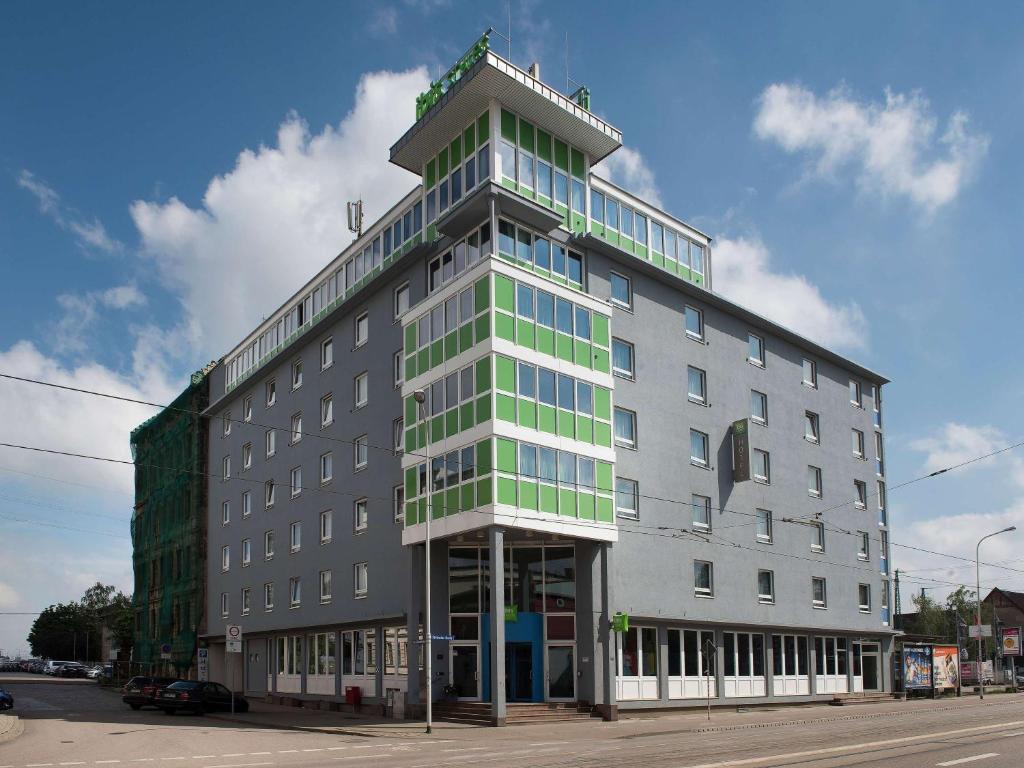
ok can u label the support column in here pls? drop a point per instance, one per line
(606, 639)
(498, 709)
(381, 693)
(769, 662)
(412, 696)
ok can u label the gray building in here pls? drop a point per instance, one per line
(683, 498)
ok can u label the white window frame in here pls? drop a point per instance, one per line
(225, 513)
(360, 442)
(326, 526)
(399, 368)
(629, 290)
(756, 361)
(361, 380)
(709, 591)
(270, 442)
(295, 481)
(629, 375)
(706, 442)
(246, 552)
(821, 604)
(360, 580)
(268, 545)
(624, 442)
(698, 336)
(766, 478)
(862, 606)
(705, 504)
(325, 581)
(764, 515)
(702, 397)
(812, 420)
(225, 467)
(294, 592)
(247, 456)
(297, 374)
(763, 397)
(246, 503)
(624, 512)
(268, 596)
(856, 391)
(398, 502)
(270, 390)
(246, 601)
(396, 305)
(813, 383)
(864, 550)
(269, 492)
(224, 605)
(326, 467)
(360, 515)
(769, 597)
(818, 542)
(295, 536)
(861, 489)
(398, 434)
(225, 558)
(226, 424)
(361, 329)
(296, 428)
(247, 408)
(326, 410)
(816, 491)
(326, 353)
(857, 446)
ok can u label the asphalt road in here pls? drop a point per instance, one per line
(82, 726)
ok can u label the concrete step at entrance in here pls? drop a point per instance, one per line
(479, 713)
(868, 697)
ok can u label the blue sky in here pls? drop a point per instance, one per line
(859, 168)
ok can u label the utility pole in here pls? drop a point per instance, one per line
(420, 396)
(977, 566)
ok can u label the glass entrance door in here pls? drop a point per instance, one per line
(870, 664)
(561, 674)
(519, 672)
(465, 671)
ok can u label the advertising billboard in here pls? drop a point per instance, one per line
(945, 666)
(917, 667)
(1011, 641)
(740, 451)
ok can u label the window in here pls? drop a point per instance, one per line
(625, 428)
(698, 448)
(818, 595)
(294, 592)
(326, 411)
(703, 584)
(855, 394)
(876, 404)
(864, 597)
(247, 456)
(325, 586)
(362, 389)
(883, 551)
(226, 467)
(758, 406)
(326, 467)
(398, 434)
(864, 550)
(246, 601)
(401, 300)
(296, 481)
(398, 502)
(360, 515)
(268, 494)
(765, 587)
(224, 604)
(225, 513)
(246, 503)
(812, 429)
(694, 323)
(326, 526)
(883, 517)
(296, 374)
(696, 381)
(361, 450)
(271, 442)
(755, 349)
(861, 490)
(326, 353)
(225, 558)
(225, 422)
(857, 441)
(359, 580)
(296, 428)
(362, 329)
(762, 466)
(247, 408)
(814, 481)
(701, 512)
(879, 455)
(810, 373)
(622, 359)
(246, 552)
(268, 596)
(627, 498)
(399, 369)
(818, 537)
(764, 526)
(295, 536)
(271, 392)
(268, 545)
(621, 290)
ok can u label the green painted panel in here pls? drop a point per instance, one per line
(597, 229)
(410, 339)
(410, 410)
(563, 346)
(505, 407)
(579, 223)
(602, 361)
(451, 345)
(603, 434)
(546, 419)
(549, 499)
(483, 409)
(456, 152)
(561, 155)
(483, 491)
(508, 126)
(507, 491)
(599, 330)
(545, 201)
(442, 163)
(451, 422)
(483, 327)
(527, 414)
(436, 353)
(543, 145)
(625, 243)
(527, 334)
(507, 183)
(605, 512)
(410, 482)
(577, 163)
(483, 127)
(566, 503)
(421, 440)
(602, 403)
(482, 295)
(451, 501)
(506, 454)
(528, 495)
(466, 416)
(436, 506)
(410, 440)
(586, 510)
(410, 513)
(526, 135)
(566, 425)
(583, 354)
(504, 326)
(585, 429)
(545, 340)
(431, 173)
(641, 251)
(465, 337)
(483, 457)
(483, 375)
(432, 233)
(467, 500)
(422, 362)
(504, 293)
(658, 260)
(603, 476)
(469, 140)
(437, 429)
(505, 374)
(611, 237)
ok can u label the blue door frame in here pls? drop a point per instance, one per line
(529, 628)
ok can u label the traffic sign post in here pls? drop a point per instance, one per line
(232, 644)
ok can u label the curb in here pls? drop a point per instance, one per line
(11, 727)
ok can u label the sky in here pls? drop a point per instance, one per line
(170, 173)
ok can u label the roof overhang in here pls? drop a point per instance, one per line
(494, 78)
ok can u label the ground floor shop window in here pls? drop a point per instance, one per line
(790, 670)
(289, 664)
(743, 664)
(359, 660)
(321, 663)
(830, 665)
(691, 664)
(637, 664)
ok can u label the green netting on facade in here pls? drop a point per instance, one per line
(169, 532)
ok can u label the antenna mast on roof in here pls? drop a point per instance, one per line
(355, 218)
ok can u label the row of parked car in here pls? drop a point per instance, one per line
(171, 695)
(67, 669)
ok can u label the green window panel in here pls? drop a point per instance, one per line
(602, 361)
(640, 251)
(437, 506)
(585, 429)
(603, 476)
(456, 151)
(466, 415)
(505, 408)
(546, 419)
(442, 163)
(545, 340)
(483, 127)
(421, 430)
(586, 508)
(483, 375)
(469, 140)
(467, 501)
(483, 492)
(566, 424)
(431, 172)
(508, 126)
(526, 135)
(436, 353)
(577, 163)
(527, 334)
(410, 339)
(566, 503)
(483, 457)
(483, 327)
(597, 229)
(658, 259)
(483, 409)
(583, 354)
(505, 374)
(437, 429)
(543, 145)
(545, 201)
(561, 155)
(482, 295)
(451, 345)
(431, 233)
(599, 330)
(563, 346)
(528, 495)
(411, 513)
(504, 326)
(465, 337)
(603, 403)
(410, 482)
(422, 361)
(504, 293)
(410, 410)
(507, 491)
(605, 511)
(506, 454)
(507, 183)
(603, 434)
(410, 440)
(579, 223)
(451, 422)
(549, 499)
(528, 414)
(451, 501)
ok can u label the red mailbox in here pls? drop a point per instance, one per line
(353, 695)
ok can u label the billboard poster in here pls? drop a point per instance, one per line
(946, 666)
(1011, 641)
(969, 670)
(917, 667)
(740, 451)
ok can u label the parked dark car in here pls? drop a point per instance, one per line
(71, 669)
(198, 697)
(141, 691)
(6, 700)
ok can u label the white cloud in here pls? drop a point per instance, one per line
(278, 216)
(90, 234)
(8, 597)
(627, 168)
(384, 21)
(893, 147)
(743, 273)
(955, 443)
(73, 330)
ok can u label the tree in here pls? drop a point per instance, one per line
(59, 632)
(73, 631)
(931, 620)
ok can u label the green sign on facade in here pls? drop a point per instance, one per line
(438, 88)
(511, 613)
(620, 622)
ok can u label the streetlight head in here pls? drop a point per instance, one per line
(420, 396)
(1011, 528)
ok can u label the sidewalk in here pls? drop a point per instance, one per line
(10, 728)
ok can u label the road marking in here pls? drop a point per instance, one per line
(968, 759)
(236, 765)
(253, 754)
(203, 757)
(331, 749)
(853, 747)
(37, 765)
(314, 749)
(371, 746)
(233, 754)
(358, 757)
(171, 758)
(106, 762)
(74, 763)
(464, 749)
(143, 759)
(547, 743)
(287, 751)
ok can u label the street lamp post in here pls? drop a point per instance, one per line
(421, 399)
(977, 566)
